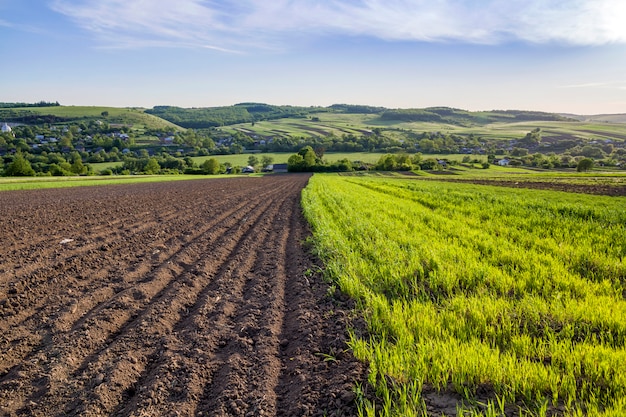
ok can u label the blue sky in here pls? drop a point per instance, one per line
(549, 55)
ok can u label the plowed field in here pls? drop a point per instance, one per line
(185, 298)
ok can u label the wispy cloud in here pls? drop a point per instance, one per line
(605, 85)
(21, 27)
(221, 25)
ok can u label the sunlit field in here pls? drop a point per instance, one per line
(510, 298)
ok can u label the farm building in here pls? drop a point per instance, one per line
(279, 168)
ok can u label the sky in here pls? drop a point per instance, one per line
(565, 56)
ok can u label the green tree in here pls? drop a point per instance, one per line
(310, 159)
(532, 138)
(295, 163)
(427, 145)
(152, 167)
(66, 140)
(584, 165)
(386, 163)
(77, 164)
(78, 167)
(211, 166)
(20, 167)
(266, 160)
(253, 161)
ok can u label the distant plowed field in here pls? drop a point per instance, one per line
(188, 298)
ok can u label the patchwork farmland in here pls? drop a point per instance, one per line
(469, 298)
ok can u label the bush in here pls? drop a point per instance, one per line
(584, 165)
(20, 167)
(211, 166)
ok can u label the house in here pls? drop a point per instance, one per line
(503, 162)
(279, 168)
(6, 128)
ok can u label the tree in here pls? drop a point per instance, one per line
(386, 163)
(77, 164)
(20, 167)
(310, 159)
(266, 160)
(584, 165)
(532, 138)
(427, 145)
(152, 167)
(211, 166)
(295, 163)
(66, 140)
(253, 161)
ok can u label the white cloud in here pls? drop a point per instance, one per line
(612, 85)
(253, 23)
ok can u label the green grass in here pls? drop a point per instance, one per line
(509, 297)
(282, 157)
(242, 159)
(100, 166)
(304, 127)
(34, 183)
(537, 175)
(117, 115)
(357, 124)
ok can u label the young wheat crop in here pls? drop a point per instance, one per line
(514, 297)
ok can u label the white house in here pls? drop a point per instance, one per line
(6, 128)
(503, 162)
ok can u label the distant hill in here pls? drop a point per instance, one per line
(173, 117)
(60, 114)
(253, 112)
(206, 117)
(609, 118)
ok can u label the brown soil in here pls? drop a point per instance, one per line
(191, 298)
(597, 189)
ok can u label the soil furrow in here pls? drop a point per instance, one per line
(239, 361)
(186, 363)
(114, 317)
(185, 298)
(161, 321)
(73, 295)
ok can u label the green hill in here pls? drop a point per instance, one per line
(136, 117)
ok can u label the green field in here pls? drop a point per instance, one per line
(282, 157)
(357, 124)
(34, 183)
(511, 299)
(116, 115)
